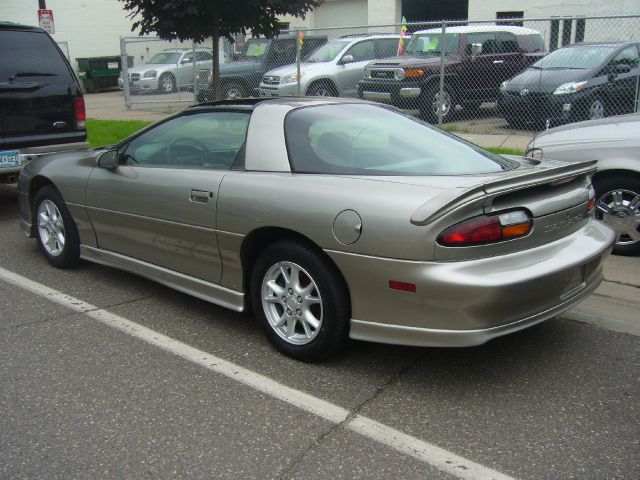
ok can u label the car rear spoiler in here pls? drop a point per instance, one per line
(546, 171)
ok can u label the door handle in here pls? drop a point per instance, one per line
(200, 196)
(498, 62)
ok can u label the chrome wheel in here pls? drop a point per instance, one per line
(167, 84)
(51, 228)
(292, 303)
(596, 110)
(321, 91)
(620, 209)
(444, 105)
(232, 93)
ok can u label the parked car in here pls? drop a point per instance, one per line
(332, 218)
(477, 60)
(615, 143)
(332, 70)
(578, 82)
(241, 78)
(168, 70)
(41, 104)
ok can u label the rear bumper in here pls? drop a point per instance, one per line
(462, 303)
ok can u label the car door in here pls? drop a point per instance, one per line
(621, 87)
(159, 205)
(185, 68)
(483, 73)
(348, 74)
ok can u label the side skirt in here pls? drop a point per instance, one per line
(201, 289)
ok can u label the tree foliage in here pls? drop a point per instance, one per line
(196, 19)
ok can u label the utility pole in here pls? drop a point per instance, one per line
(42, 4)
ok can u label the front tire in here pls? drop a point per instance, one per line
(167, 83)
(56, 231)
(618, 205)
(301, 301)
(321, 89)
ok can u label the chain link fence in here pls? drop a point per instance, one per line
(492, 76)
(164, 71)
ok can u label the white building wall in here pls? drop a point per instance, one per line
(91, 28)
(596, 30)
(486, 9)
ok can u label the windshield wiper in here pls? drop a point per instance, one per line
(33, 74)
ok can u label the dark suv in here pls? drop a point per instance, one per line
(41, 103)
(477, 60)
(241, 77)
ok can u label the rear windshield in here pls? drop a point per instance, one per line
(577, 58)
(355, 139)
(28, 56)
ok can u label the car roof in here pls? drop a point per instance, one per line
(292, 102)
(19, 26)
(482, 29)
(600, 44)
(186, 49)
(363, 36)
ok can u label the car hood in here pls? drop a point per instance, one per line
(305, 68)
(623, 128)
(404, 61)
(545, 81)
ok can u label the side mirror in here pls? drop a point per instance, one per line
(346, 59)
(109, 159)
(622, 68)
(476, 49)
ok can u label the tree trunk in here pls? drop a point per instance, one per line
(215, 82)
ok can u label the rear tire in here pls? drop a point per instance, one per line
(618, 205)
(429, 104)
(233, 90)
(300, 301)
(56, 232)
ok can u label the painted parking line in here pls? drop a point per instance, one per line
(406, 444)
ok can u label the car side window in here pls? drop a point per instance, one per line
(362, 51)
(487, 40)
(203, 56)
(628, 56)
(386, 47)
(205, 140)
(507, 43)
(187, 58)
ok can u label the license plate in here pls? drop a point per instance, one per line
(10, 158)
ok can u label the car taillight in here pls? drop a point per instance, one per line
(81, 115)
(487, 229)
(592, 199)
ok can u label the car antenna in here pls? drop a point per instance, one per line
(535, 131)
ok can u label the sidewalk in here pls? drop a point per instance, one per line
(110, 106)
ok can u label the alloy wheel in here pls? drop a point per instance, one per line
(51, 228)
(444, 105)
(620, 209)
(292, 303)
(596, 110)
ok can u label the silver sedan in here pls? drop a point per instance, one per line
(615, 143)
(332, 219)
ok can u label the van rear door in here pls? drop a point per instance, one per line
(38, 91)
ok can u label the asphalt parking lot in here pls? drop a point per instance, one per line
(107, 375)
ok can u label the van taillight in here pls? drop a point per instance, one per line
(487, 229)
(81, 115)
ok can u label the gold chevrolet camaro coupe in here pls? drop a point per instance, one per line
(333, 219)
